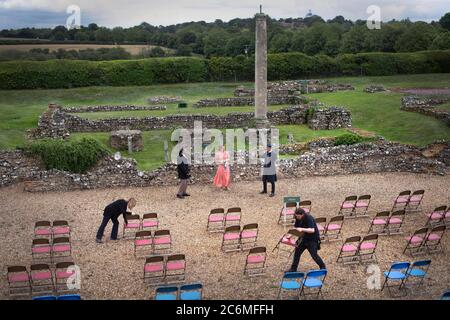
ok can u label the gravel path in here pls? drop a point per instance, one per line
(109, 271)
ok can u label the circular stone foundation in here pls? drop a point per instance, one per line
(119, 140)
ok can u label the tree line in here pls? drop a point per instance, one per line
(311, 35)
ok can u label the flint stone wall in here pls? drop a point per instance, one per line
(112, 108)
(426, 106)
(330, 118)
(377, 157)
(248, 101)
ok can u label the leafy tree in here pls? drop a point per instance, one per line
(441, 42)
(445, 21)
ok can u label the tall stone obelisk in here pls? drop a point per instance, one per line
(261, 71)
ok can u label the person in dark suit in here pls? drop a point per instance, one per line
(112, 212)
(269, 174)
(183, 174)
(304, 222)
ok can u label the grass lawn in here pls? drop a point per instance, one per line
(379, 113)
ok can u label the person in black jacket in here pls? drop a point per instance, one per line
(304, 222)
(112, 212)
(269, 173)
(183, 174)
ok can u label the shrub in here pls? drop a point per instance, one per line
(72, 156)
(348, 139)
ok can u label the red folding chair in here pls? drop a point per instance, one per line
(415, 201)
(321, 225)
(249, 236)
(61, 249)
(133, 226)
(43, 229)
(176, 268)
(255, 262)
(41, 279)
(231, 239)
(334, 228)
(216, 220)
(306, 206)
(41, 250)
(349, 251)
(288, 242)
(287, 214)
(379, 223)
(18, 281)
(395, 222)
(348, 206)
(437, 217)
(162, 242)
(143, 244)
(367, 249)
(154, 271)
(60, 228)
(64, 271)
(415, 245)
(150, 222)
(402, 200)
(233, 217)
(362, 206)
(433, 241)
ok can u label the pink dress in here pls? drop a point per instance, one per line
(222, 178)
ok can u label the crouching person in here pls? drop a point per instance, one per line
(112, 212)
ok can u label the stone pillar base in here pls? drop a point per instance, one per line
(262, 124)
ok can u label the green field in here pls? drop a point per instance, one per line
(378, 113)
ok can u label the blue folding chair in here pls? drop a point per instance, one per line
(418, 270)
(45, 298)
(314, 281)
(166, 293)
(291, 281)
(446, 296)
(70, 297)
(191, 292)
(397, 273)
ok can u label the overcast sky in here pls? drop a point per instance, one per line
(126, 13)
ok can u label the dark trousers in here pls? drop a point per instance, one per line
(115, 228)
(311, 246)
(265, 186)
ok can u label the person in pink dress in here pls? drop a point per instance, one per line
(222, 178)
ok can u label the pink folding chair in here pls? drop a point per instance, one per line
(415, 243)
(216, 220)
(18, 281)
(249, 236)
(133, 226)
(306, 206)
(395, 222)
(231, 239)
(176, 268)
(233, 217)
(288, 242)
(43, 229)
(41, 250)
(150, 222)
(60, 229)
(402, 200)
(287, 214)
(433, 241)
(63, 271)
(143, 244)
(367, 249)
(348, 206)
(362, 206)
(41, 279)
(154, 271)
(321, 225)
(162, 242)
(349, 251)
(255, 262)
(437, 217)
(379, 223)
(415, 201)
(334, 228)
(61, 248)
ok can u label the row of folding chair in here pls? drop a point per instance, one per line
(66, 297)
(255, 262)
(147, 243)
(185, 292)
(354, 206)
(237, 239)
(402, 274)
(359, 250)
(425, 240)
(409, 201)
(439, 216)
(218, 220)
(51, 251)
(388, 223)
(290, 205)
(40, 279)
(331, 230)
(159, 269)
(49, 230)
(149, 221)
(303, 284)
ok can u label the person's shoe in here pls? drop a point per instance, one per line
(263, 192)
(186, 195)
(272, 195)
(179, 196)
(98, 240)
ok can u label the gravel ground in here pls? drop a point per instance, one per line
(110, 271)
